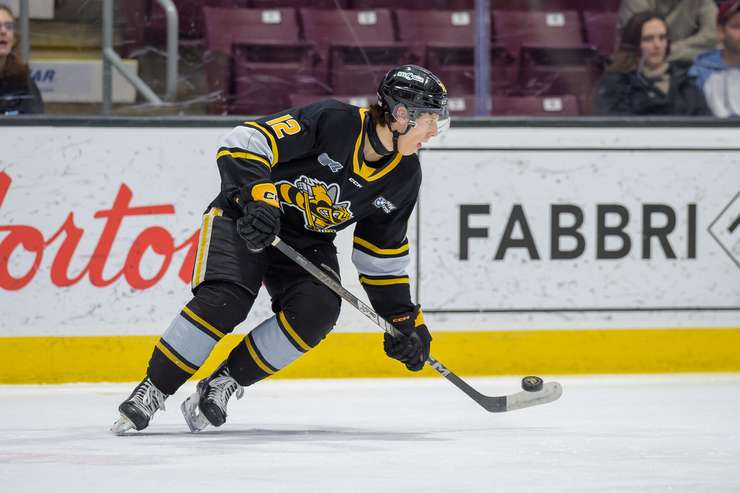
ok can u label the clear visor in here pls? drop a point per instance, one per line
(425, 118)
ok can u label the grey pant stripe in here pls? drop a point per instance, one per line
(188, 340)
(273, 344)
(376, 266)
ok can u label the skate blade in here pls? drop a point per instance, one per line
(196, 421)
(122, 425)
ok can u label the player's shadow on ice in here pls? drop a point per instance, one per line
(261, 435)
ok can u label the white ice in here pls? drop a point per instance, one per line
(606, 434)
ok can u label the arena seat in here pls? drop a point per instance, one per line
(362, 100)
(512, 29)
(563, 105)
(429, 5)
(356, 47)
(190, 17)
(444, 42)
(253, 70)
(555, 5)
(296, 4)
(575, 70)
(601, 31)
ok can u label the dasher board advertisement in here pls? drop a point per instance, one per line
(527, 229)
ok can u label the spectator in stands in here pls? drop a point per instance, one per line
(641, 81)
(717, 72)
(691, 24)
(18, 92)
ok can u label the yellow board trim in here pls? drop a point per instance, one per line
(203, 322)
(273, 142)
(293, 334)
(256, 357)
(384, 282)
(244, 155)
(360, 355)
(378, 250)
(177, 361)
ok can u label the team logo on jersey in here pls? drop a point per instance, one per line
(318, 201)
(386, 205)
(325, 160)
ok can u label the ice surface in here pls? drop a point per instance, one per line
(606, 434)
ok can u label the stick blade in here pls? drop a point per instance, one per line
(551, 391)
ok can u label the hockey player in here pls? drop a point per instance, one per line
(305, 173)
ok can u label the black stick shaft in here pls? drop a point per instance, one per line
(325, 278)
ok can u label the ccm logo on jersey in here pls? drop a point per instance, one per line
(412, 76)
(325, 160)
(382, 203)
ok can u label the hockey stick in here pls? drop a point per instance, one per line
(549, 392)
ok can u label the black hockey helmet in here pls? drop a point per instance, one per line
(418, 90)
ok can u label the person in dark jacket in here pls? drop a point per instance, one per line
(18, 92)
(641, 81)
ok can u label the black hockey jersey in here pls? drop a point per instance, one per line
(314, 156)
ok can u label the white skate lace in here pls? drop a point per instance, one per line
(221, 390)
(149, 398)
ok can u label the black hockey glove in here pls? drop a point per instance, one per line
(260, 222)
(411, 347)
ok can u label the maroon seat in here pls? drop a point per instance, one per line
(253, 70)
(560, 71)
(444, 42)
(555, 5)
(406, 4)
(362, 100)
(297, 4)
(462, 105)
(538, 5)
(356, 47)
(190, 18)
(601, 31)
(564, 105)
(557, 29)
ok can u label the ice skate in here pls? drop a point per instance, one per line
(138, 409)
(208, 404)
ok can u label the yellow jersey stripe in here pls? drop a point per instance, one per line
(293, 334)
(244, 155)
(378, 250)
(177, 361)
(356, 155)
(359, 166)
(203, 242)
(202, 322)
(273, 143)
(419, 319)
(384, 282)
(256, 357)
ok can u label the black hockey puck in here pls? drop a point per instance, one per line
(532, 383)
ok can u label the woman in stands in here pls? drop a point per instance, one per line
(18, 92)
(641, 81)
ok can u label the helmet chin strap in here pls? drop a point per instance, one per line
(396, 133)
(375, 141)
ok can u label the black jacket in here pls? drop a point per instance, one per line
(19, 95)
(632, 94)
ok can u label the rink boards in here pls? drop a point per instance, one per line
(535, 250)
